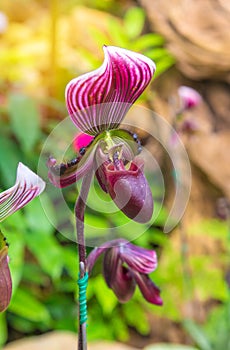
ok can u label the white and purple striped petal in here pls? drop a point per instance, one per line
(28, 185)
(99, 100)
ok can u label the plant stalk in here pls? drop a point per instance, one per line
(80, 215)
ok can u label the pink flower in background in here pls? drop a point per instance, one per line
(189, 97)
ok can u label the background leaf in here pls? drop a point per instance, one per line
(24, 118)
(134, 20)
(27, 306)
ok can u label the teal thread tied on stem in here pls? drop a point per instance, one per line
(82, 284)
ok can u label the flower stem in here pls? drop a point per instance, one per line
(80, 214)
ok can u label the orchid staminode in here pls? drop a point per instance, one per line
(97, 103)
(27, 186)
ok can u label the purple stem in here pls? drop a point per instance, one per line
(80, 214)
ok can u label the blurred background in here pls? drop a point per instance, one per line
(44, 44)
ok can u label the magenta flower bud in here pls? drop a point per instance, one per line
(125, 266)
(189, 97)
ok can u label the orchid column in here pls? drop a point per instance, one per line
(97, 103)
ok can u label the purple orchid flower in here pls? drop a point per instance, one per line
(189, 97)
(125, 266)
(97, 103)
(27, 186)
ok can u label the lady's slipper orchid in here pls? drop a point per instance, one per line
(125, 266)
(27, 186)
(97, 103)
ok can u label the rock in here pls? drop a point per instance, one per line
(197, 34)
(210, 152)
(59, 340)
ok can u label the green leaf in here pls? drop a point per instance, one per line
(24, 118)
(134, 21)
(3, 328)
(36, 217)
(104, 295)
(70, 262)
(32, 273)
(16, 254)
(47, 251)
(148, 41)
(136, 317)
(99, 37)
(198, 335)
(117, 33)
(25, 305)
(10, 156)
(23, 325)
(164, 64)
(157, 53)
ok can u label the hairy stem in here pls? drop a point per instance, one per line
(80, 214)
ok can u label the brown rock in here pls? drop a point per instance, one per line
(197, 33)
(210, 152)
(59, 341)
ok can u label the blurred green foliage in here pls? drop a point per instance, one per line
(128, 33)
(41, 52)
(214, 335)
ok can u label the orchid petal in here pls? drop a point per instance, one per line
(130, 191)
(66, 174)
(93, 256)
(71, 174)
(138, 258)
(96, 252)
(149, 290)
(28, 185)
(99, 100)
(110, 265)
(5, 278)
(117, 276)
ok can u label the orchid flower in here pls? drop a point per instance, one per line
(189, 97)
(125, 266)
(97, 103)
(27, 186)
